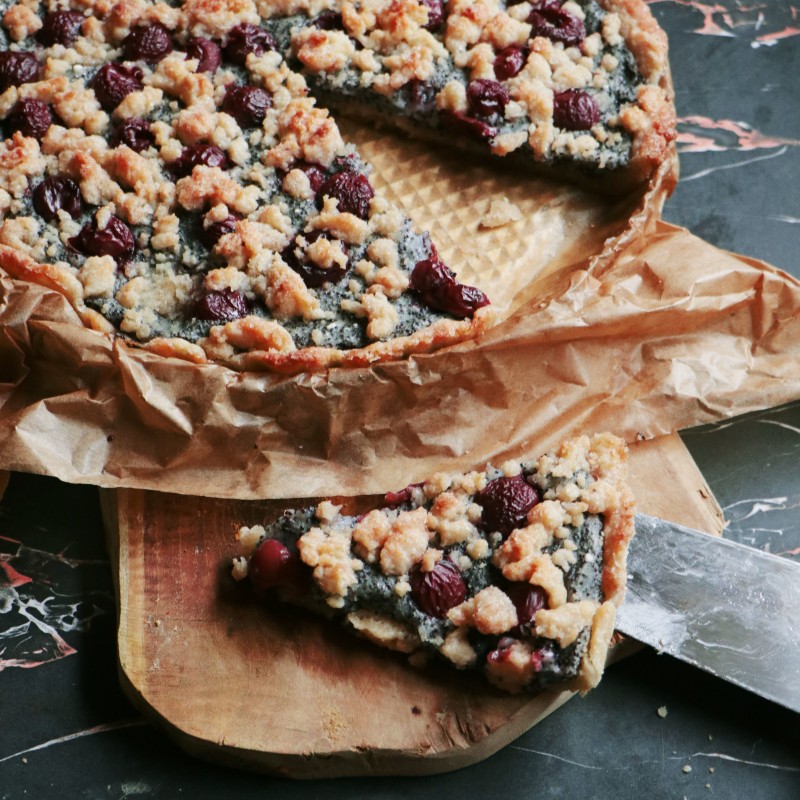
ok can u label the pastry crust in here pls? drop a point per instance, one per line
(312, 359)
(570, 544)
(653, 142)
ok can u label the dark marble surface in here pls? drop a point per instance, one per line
(66, 730)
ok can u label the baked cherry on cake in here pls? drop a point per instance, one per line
(165, 169)
(515, 572)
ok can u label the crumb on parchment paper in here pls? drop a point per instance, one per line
(499, 212)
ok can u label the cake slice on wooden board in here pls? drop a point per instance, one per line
(513, 571)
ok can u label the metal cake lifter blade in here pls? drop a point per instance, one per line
(724, 607)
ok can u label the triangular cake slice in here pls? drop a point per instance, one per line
(165, 169)
(514, 571)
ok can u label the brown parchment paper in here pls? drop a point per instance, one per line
(611, 320)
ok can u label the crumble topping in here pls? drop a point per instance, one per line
(457, 649)
(214, 18)
(342, 225)
(565, 622)
(249, 333)
(323, 51)
(21, 22)
(500, 212)
(326, 511)
(329, 554)
(98, 275)
(20, 158)
(490, 611)
(430, 558)
(370, 534)
(406, 543)
(287, 296)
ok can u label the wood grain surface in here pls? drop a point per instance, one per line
(279, 690)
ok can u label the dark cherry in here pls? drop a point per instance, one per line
(487, 98)
(60, 27)
(312, 275)
(314, 173)
(506, 503)
(550, 20)
(502, 652)
(574, 110)
(435, 14)
(18, 68)
(351, 189)
(115, 240)
(194, 155)
(245, 39)
(135, 133)
(211, 234)
(509, 62)
(539, 658)
(439, 590)
(437, 287)
(527, 599)
(56, 194)
(248, 105)
(543, 657)
(222, 306)
(464, 125)
(329, 21)
(114, 82)
(395, 499)
(272, 564)
(148, 43)
(421, 95)
(207, 53)
(30, 117)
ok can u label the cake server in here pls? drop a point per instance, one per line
(729, 609)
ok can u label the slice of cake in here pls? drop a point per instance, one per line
(515, 572)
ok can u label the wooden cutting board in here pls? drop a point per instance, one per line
(277, 689)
